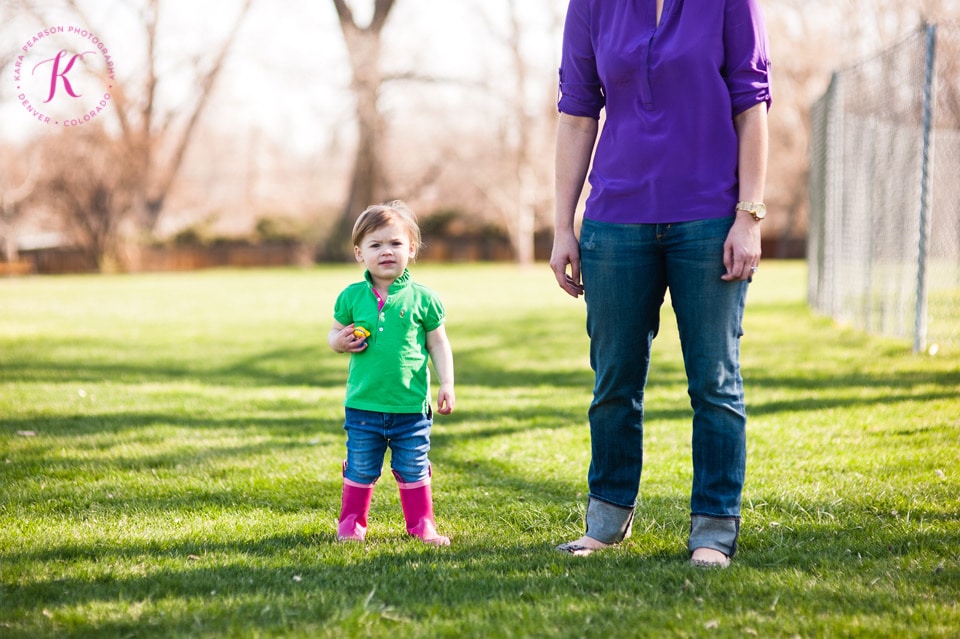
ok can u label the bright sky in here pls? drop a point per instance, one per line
(289, 73)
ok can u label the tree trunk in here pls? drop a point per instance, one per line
(367, 180)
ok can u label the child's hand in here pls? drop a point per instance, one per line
(345, 341)
(446, 399)
(361, 333)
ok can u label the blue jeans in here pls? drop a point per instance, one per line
(370, 433)
(626, 271)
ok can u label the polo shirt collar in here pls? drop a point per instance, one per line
(398, 284)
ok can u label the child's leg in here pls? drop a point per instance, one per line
(410, 443)
(366, 445)
(354, 506)
(417, 501)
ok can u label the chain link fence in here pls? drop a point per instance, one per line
(884, 228)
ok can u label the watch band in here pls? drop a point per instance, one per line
(757, 210)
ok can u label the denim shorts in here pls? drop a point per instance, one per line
(370, 433)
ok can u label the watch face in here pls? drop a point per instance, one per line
(756, 209)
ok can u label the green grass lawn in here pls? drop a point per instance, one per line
(170, 448)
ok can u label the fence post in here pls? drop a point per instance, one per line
(836, 200)
(920, 318)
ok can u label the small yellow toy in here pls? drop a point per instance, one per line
(361, 333)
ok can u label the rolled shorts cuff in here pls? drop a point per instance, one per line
(608, 523)
(718, 533)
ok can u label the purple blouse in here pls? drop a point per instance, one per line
(668, 148)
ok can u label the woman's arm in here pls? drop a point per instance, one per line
(741, 251)
(576, 136)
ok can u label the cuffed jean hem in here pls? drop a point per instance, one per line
(718, 533)
(608, 523)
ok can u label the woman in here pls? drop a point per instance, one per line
(675, 204)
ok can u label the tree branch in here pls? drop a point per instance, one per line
(380, 11)
(206, 82)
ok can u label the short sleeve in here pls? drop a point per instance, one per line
(342, 311)
(580, 90)
(434, 315)
(746, 55)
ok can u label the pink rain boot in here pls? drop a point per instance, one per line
(354, 507)
(416, 499)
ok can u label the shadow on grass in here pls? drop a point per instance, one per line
(57, 362)
(302, 580)
(138, 425)
(274, 367)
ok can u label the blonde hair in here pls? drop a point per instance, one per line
(380, 215)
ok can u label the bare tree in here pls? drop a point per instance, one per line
(18, 180)
(517, 182)
(811, 39)
(515, 200)
(870, 25)
(145, 128)
(83, 185)
(364, 45)
(153, 137)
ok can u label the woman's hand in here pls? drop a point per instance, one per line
(566, 252)
(741, 250)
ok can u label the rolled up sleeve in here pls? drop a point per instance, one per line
(580, 90)
(747, 57)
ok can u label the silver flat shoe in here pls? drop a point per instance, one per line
(703, 563)
(577, 550)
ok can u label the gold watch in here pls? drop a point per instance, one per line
(758, 210)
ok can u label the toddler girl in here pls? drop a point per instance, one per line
(390, 325)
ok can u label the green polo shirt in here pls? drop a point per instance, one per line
(391, 375)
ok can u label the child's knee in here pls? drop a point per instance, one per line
(410, 472)
(362, 475)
